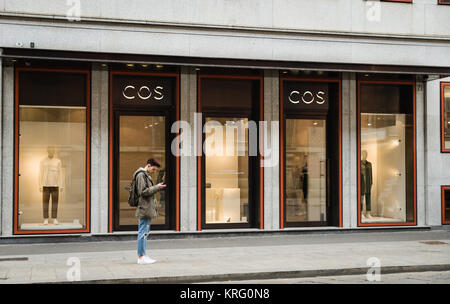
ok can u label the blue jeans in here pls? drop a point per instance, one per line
(143, 231)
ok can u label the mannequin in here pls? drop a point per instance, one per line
(305, 178)
(50, 183)
(366, 183)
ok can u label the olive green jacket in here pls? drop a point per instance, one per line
(146, 190)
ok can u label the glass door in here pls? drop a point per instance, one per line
(306, 172)
(139, 138)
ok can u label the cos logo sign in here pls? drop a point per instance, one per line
(144, 92)
(307, 97)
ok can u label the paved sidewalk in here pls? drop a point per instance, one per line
(216, 259)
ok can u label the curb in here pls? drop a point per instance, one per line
(263, 275)
(170, 235)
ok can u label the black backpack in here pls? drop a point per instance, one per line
(133, 197)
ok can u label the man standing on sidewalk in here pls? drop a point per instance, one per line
(146, 209)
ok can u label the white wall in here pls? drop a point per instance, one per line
(437, 166)
(335, 31)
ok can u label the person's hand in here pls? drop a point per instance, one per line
(41, 189)
(161, 185)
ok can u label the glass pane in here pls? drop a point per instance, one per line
(386, 167)
(227, 161)
(140, 138)
(446, 117)
(52, 168)
(447, 205)
(305, 170)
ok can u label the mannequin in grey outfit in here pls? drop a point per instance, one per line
(366, 183)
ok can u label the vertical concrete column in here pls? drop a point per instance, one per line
(188, 166)
(437, 164)
(349, 151)
(271, 174)
(99, 149)
(7, 150)
(420, 152)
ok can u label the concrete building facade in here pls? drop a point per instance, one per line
(376, 73)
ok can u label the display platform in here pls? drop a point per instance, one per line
(378, 219)
(51, 226)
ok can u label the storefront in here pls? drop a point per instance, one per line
(54, 109)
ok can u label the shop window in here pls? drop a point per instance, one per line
(230, 179)
(446, 205)
(444, 2)
(386, 166)
(52, 151)
(445, 117)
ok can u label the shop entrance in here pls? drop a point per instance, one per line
(143, 108)
(140, 137)
(310, 153)
(306, 171)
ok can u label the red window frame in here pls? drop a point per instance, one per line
(358, 114)
(16, 230)
(443, 149)
(200, 138)
(443, 189)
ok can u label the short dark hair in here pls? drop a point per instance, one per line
(153, 162)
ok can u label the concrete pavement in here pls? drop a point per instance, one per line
(228, 258)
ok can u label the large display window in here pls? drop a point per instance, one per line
(230, 179)
(386, 153)
(445, 116)
(144, 105)
(310, 158)
(51, 151)
(446, 205)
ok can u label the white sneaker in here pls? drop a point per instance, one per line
(149, 259)
(55, 222)
(46, 222)
(142, 261)
(145, 260)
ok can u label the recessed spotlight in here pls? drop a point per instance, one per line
(144, 65)
(159, 66)
(130, 65)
